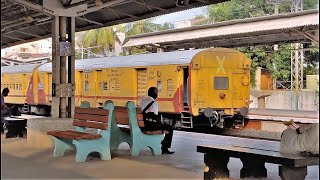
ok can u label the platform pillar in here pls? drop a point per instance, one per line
(63, 44)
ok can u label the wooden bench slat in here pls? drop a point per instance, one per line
(155, 132)
(91, 117)
(120, 109)
(63, 135)
(93, 111)
(140, 117)
(90, 124)
(84, 134)
(123, 121)
(70, 134)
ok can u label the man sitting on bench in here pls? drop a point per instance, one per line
(302, 140)
(152, 120)
(5, 111)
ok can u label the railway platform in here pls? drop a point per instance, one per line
(22, 161)
(284, 115)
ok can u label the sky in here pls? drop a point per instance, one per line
(180, 16)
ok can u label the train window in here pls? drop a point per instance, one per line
(86, 85)
(159, 86)
(117, 85)
(105, 86)
(20, 86)
(17, 86)
(10, 86)
(169, 85)
(221, 83)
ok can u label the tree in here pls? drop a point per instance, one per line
(143, 26)
(104, 38)
(278, 62)
(140, 27)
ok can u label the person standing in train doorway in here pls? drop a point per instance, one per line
(152, 120)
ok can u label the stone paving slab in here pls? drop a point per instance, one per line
(18, 160)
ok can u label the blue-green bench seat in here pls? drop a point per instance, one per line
(133, 135)
(86, 142)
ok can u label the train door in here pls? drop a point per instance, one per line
(49, 87)
(141, 84)
(186, 86)
(98, 84)
(24, 84)
(80, 86)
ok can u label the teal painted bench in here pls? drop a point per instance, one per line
(86, 142)
(133, 135)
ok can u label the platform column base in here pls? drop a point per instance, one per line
(216, 166)
(292, 173)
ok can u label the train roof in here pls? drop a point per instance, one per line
(141, 60)
(18, 69)
(153, 59)
(178, 57)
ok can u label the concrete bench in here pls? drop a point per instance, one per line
(261, 96)
(133, 135)
(216, 158)
(86, 142)
(16, 126)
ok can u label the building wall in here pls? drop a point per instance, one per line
(312, 82)
(287, 100)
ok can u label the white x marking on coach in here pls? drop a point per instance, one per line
(220, 62)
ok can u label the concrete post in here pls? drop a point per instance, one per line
(63, 68)
(71, 64)
(258, 78)
(63, 29)
(55, 104)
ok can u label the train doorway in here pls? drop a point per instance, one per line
(186, 86)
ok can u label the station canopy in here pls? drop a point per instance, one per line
(25, 21)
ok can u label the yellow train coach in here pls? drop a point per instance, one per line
(208, 87)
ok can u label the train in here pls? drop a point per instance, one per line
(196, 87)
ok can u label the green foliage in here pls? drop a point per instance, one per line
(278, 63)
(103, 39)
(146, 26)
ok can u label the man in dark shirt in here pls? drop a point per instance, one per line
(5, 111)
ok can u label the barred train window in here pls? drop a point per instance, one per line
(105, 86)
(169, 85)
(159, 86)
(86, 85)
(221, 83)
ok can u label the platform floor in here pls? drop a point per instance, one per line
(284, 115)
(18, 160)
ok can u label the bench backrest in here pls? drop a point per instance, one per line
(122, 116)
(91, 118)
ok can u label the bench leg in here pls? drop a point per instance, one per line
(292, 173)
(81, 155)
(156, 149)
(135, 149)
(60, 146)
(253, 167)
(216, 166)
(85, 147)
